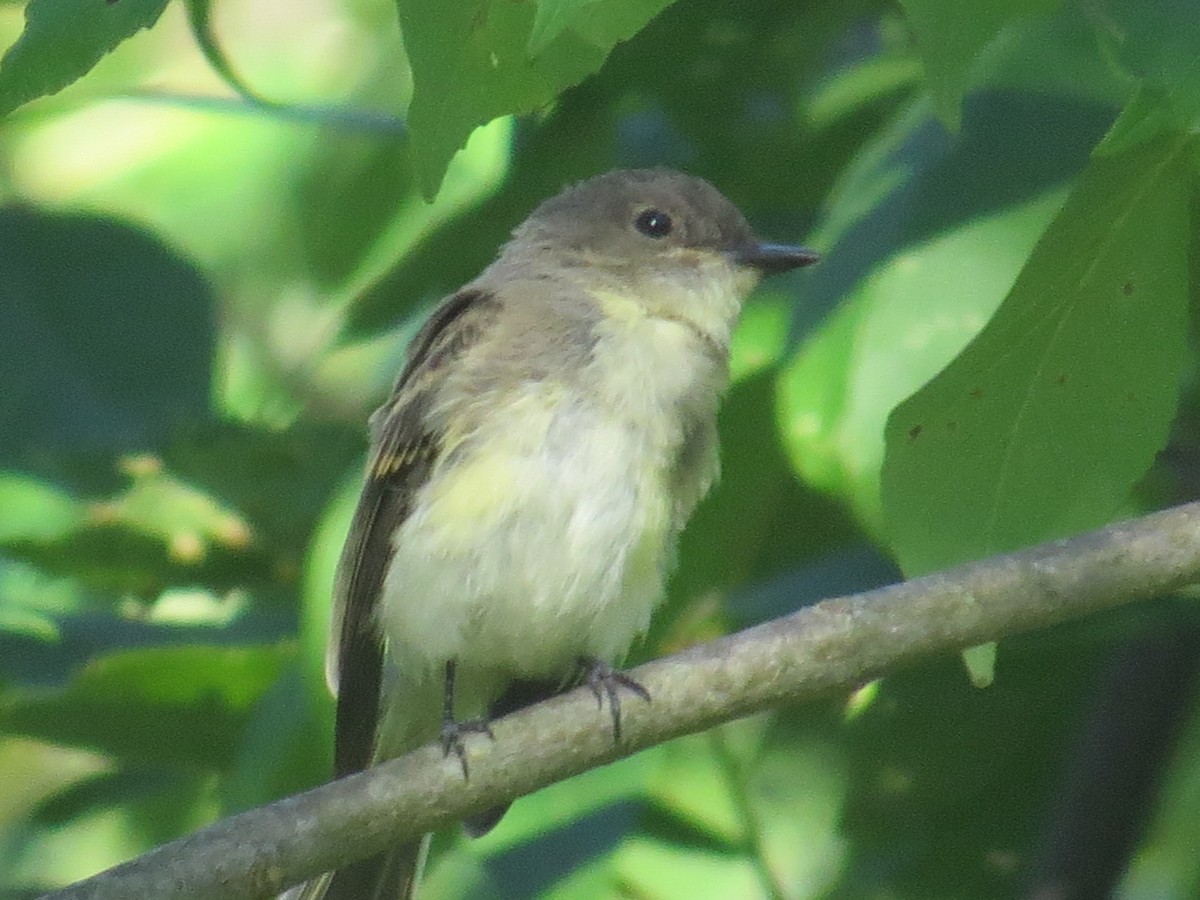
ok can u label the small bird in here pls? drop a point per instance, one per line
(551, 432)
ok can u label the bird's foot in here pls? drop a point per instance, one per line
(605, 682)
(452, 735)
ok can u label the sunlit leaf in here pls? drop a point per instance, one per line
(1042, 425)
(796, 792)
(187, 520)
(31, 603)
(670, 871)
(471, 63)
(981, 664)
(200, 18)
(63, 39)
(22, 620)
(35, 510)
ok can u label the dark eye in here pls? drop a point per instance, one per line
(653, 223)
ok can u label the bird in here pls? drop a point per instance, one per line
(551, 431)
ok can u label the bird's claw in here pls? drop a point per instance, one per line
(452, 734)
(605, 682)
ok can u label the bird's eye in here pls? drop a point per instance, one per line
(653, 223)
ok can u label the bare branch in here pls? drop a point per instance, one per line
(833, 646)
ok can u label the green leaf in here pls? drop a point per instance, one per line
(797, 791)
(30, 623)
(63, 39)
(552, 19)
(903, 323)
(849, 90)
(160, 530)
(32, 605)
(756, 520)
(651, 867)
(546, 835)
(471, 62)
(320, 567)
(200, 19)
(1166, 865)
(950, 34)
(186, 519)
(278, 481)
(1042, 425)
(104, 820)
(697, 788)
(980, 662)
(35, 510)
(601, 22)
(166, 705)
(561, 804)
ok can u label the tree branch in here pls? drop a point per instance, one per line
(834, 645)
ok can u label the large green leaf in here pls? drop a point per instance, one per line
(63, 39)
(1042, 425)
(474, 61)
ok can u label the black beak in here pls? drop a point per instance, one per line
(771, 259)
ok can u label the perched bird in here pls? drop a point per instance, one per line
(552, 431)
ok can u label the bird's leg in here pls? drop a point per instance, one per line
(604, 681)
(453, 730)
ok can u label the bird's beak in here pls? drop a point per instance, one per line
(771, 259)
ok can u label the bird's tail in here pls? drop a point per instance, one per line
(388, 876)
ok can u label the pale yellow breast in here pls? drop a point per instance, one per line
(664, 377)
(549, 533)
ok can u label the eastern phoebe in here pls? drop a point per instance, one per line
(549, 436)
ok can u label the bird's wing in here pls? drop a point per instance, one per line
(404, 450)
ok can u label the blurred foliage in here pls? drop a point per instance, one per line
(214, 247)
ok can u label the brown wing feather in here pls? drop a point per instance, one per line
(403, 454)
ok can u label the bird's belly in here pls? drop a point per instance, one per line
(553, 545)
